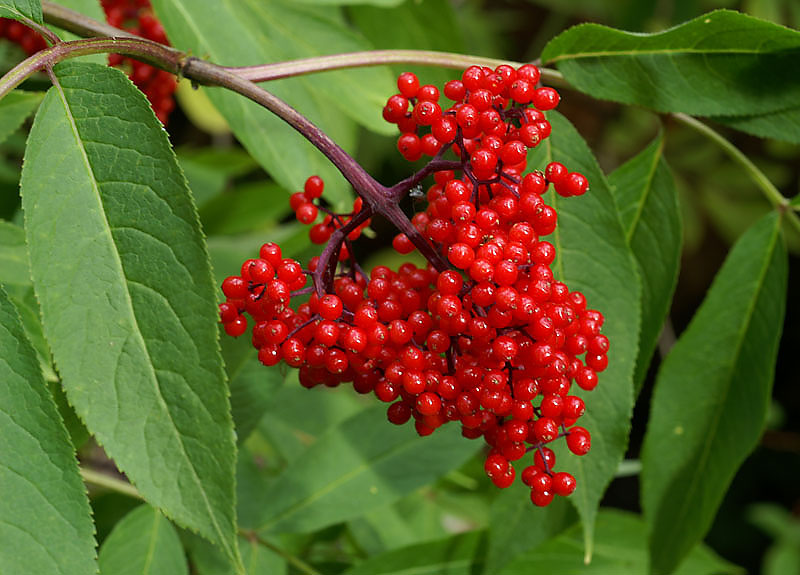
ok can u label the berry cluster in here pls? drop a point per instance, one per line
(29, 40)
(136, 17)
(484, 334)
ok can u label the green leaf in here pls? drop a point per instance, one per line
(454, 555)
(621, 550)
(127, 300)
(144, 542)
(21, 9)
(720, 63)
(13, 255)
(252, 206)
(15, 109)
(423, 25)
(710, 401)
(517, 525)
(594, 258)
(252, 385)
(362, 464)
(257, 559)
(209, 170)
(383, 3)
(258, 32)
(783, 125)
(648, 203)
(45, 522)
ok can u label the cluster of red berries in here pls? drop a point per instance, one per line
(136, 17)
(306, 206)
(29, 40)
(495, 342)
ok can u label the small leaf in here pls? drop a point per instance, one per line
(127, 300)
(710, 401)
(621, 550)
(144, 542)
(21, 9)
(45, 522)
(594, 258)
(517, 525)
(455, 555)
(362, 464)
(720, 63)
(15, 109)
(648, 204)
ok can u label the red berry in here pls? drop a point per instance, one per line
(579, 441)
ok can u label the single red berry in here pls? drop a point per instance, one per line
(408, 84)
(237, 326)
(563, 483)
(330, 307)
(545, 98)
(579, 441)
(541, 498)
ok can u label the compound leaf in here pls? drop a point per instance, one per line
(710, 402)
(256, 32)
(45, 522)
(720, 63)
(128, 305)
(144, 542)
(361, 464)
(593, 257)
(648, 204)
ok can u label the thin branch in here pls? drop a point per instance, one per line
(763, 183)
(295, 561)
(110, 483)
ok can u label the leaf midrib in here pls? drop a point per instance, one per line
(130, 309)
(703, 459)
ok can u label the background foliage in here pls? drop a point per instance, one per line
(109, 265)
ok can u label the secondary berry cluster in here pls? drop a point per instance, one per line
(136, 17)
(484, 335)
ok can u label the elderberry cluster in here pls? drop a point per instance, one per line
(484, 334)
(136, 17)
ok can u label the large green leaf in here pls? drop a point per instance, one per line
(19, 9)
(257, 559)
(45, 522)
(455, 555)
(127, 300)
(710, 402)
(517, 525)
(722, 63)
(648, 203)
(259, 32)
(621, 550)
(363, 463)
(594, 258)
(144, 542)
(15, 109)
(781, 125)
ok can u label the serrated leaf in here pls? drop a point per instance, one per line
(127, 299)
(710, 401)
(455, 555)
(144, 542)
(621, 550)
(648, 203)
(45, 522)
(15, 109)
(783, 125)
(720, 63)
(362, 464)
(262, 32)
(594, 258)
(517, 525)
(21, 9)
